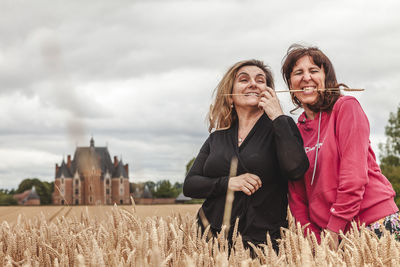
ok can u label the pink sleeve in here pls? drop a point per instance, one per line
(352, 136)
(298, 205)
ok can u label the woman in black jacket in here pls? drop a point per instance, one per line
(249, 124)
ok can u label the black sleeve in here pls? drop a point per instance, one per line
(198, 186)
(292, 158)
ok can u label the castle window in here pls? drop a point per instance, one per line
(76, 191)
(62, 180)
(62, 202)
(121, 202)
(107, 191)
(121, 180)
(76, 201)
(90, 199)
(90, 188)
(121, 191)
(77, 182)
(107, 181)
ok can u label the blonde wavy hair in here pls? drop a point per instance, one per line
(222, 114)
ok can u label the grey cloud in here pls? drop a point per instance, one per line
(140, 74)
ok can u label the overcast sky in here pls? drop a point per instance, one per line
(139, 75)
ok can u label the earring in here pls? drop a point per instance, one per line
(231, 105)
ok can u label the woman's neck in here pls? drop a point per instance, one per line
(247, 118)
(309, 113)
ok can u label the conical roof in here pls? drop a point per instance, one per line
(89, 158)
(33, 194)
(63, 170)
(120, 171)
(146, 192)
(182, 197)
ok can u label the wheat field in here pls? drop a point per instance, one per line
(125, 238)
(101, 212)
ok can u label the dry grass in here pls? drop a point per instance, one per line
(11, 213)
(125, 239)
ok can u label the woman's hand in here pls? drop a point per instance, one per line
(269, 102)
(247, 183)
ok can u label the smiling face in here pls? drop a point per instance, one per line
(251, 81)
(308, 77)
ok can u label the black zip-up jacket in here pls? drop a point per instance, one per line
(273, 150)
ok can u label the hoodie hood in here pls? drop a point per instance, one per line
(306, 124)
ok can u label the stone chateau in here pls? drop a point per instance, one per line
(91, 178)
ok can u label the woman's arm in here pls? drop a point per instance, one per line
(292, 158)
(196, 185)
(352, 135)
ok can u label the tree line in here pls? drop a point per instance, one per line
(163, 188)
(160, 189)
(390, 153)
(43, 189)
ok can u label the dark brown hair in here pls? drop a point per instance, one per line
(326, 99)
(222, 114)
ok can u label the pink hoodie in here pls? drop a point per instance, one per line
(348, 183)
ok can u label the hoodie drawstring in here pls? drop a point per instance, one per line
(316, 150)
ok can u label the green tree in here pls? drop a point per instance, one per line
(6, 198)
(390, 153)
(151, 186)
(178, 185)
(43, 189)
(132, 187)
(189, 165)
(164, 189)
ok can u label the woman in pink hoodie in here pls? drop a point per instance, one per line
(344, 182)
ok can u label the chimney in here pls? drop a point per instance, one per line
(127, 169)
(115, 161)
(56, 169)
(69, 161)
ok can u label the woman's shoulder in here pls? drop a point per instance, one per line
(346, 102)
(349, 106)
